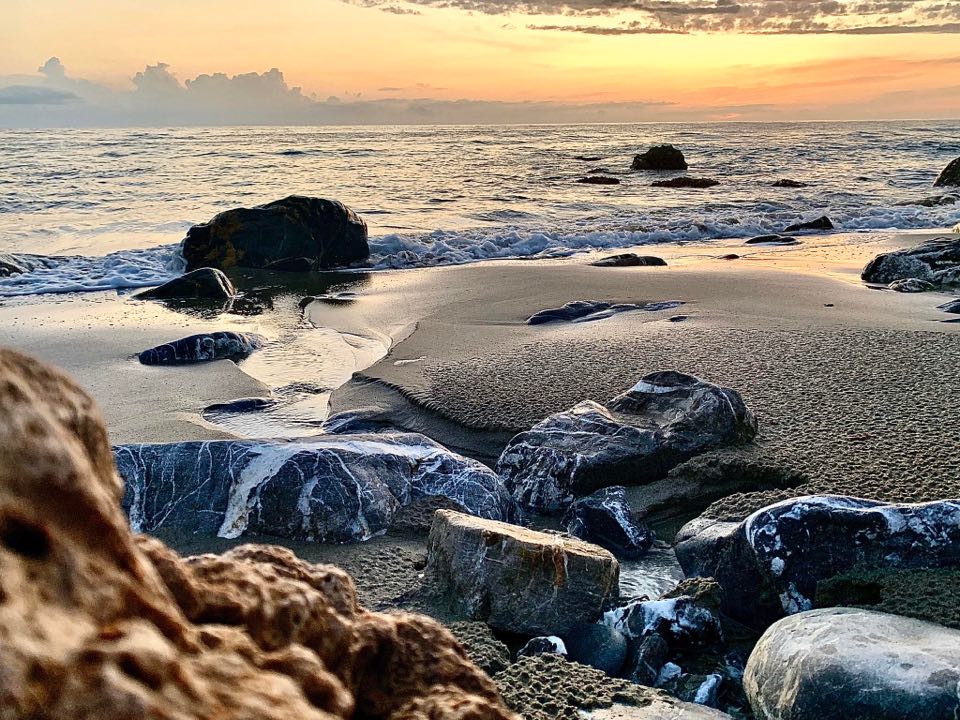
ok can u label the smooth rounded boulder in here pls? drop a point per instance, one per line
(204, 347)
(295, 233)
(202, 284)
(849, 664)
(606, 519)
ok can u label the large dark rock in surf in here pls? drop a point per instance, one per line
(295, 233)
(516, 579)
(606, 519)
(846, 664)
(201, 284)
(770, 564)
(203, 348)
(787, 183)
(630, 260)
(950, 175)
(686, 182)
(660, 157)
(636, 438)
(934, 261)
(599, 180)
(821, 224)
(326, 489)
(577, 311)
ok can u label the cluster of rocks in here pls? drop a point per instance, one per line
(931, 265)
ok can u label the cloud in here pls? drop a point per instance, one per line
(33, 95)
(756, 17)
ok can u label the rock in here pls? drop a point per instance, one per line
(590, 310)
(729, 256)
(688, 617)
(785, 183)
(279, 235)
(951, 307)
(483, 648)
(598, 646)
(330, 488)
(11, 265)
(599, 180)
(599, 171)
(203, 348)
(660, 157)
(772, 240)
(203, 284)
(630, 260)
(605, 519)
(686, 182)
(911, 285)
(771, 564)
(647, 657)
(950, 175)
(516, 579)
(636, 438)
(587, 158)
(695, 688)
(821, 223)
(935, 261)
(844, 664)
(416, 518)
(98, 623)
(678, 318)
(543, 645)
(934, 201)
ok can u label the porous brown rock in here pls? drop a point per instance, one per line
(98, 623)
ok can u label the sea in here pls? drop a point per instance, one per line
(106, 209)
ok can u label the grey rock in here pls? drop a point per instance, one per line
(660, 157)
(935, 261)
(694, 688)
(953, 306)
(11, 265)
(911, 285)
(647, 657)
(599, 646)
(326, 489)
(204, 347)
(635, 438)
(630, 260)
(578, 311)
(950, 175)
(203, 284)
(847, 664)
(543, 645)
(606, 519)
(682, 621)
(517, 579)
(820, 224)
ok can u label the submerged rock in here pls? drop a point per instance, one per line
(203, 284)
(98, 623)
(787, 183)
(203, 348)
(605, 519)
(660, 157)
(772, 240)
(599, 180)
(295, 233)
(517, 579)
(686, 182)
(630, 260)
(934, 261)
(950, 175)
(911, 285)
(820, 224)
(589, 310)
(331, 488)
(839, 664)
(636, 438)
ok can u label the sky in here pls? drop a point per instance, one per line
(215, 62)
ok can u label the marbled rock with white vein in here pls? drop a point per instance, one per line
(606, 519)
(636, 438)
(326, 489)
(204, 347)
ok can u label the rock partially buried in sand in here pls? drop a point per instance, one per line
(203, 348)
(935, 261)
(840, 664)
(599, 180)
(950, 175)
(97, 623)
(821, 224)
(630, 260)
(770, 564)
(911, 285)
(577, 311)
(331, 488)
(202, 284)
(605, 519)
(660, 157)
(516, 579)
(772, 240)
(686, 182)
(295, 233)
(636, 438)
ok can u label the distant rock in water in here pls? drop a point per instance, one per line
(686, 182)
(630, 260)
(337, 488)
(203, 348)
(587, 158)
(950, 175)
(935, 261)
(202, 283)
(280, 235)
(599, 180)
(933, 201)
(772, 240)
(660, 157)
(821, 224)
(636, 438)
(606, 519)
(578, 311)
(786, 183)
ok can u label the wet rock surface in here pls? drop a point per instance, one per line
(950, 175)
(686, 182)
(202, 283)
(599, 180)
(936, 262)
(205, 347)
(842, 663)
(599, 646)
(11, 265)
(821, 224)
(293, 234)
(787, 183)
(660, 157)
(630, 260)
(911, 285)
(606, 519)
(772, 240)
(578, 311)
(517, 579)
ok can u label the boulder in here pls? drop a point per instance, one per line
(647, 657)
(202, 284)
(295, 233)
(636, 438)
(772, 240)
(599, 180)
(606, 519)
(950, 175)
(517, 579)
(203, 348)
(330, 488)
(694, 687)
(820, 224)
(660, 157)
(771, 564)
(911, 285)
(599, 646)
(11, 265)
(98, 623)
(844, 664)
(786, 183)
(934, 261)
(543, 645)
(686, 182)
(953, 306)
(630, 260)
(686, 617)
(589, 310)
